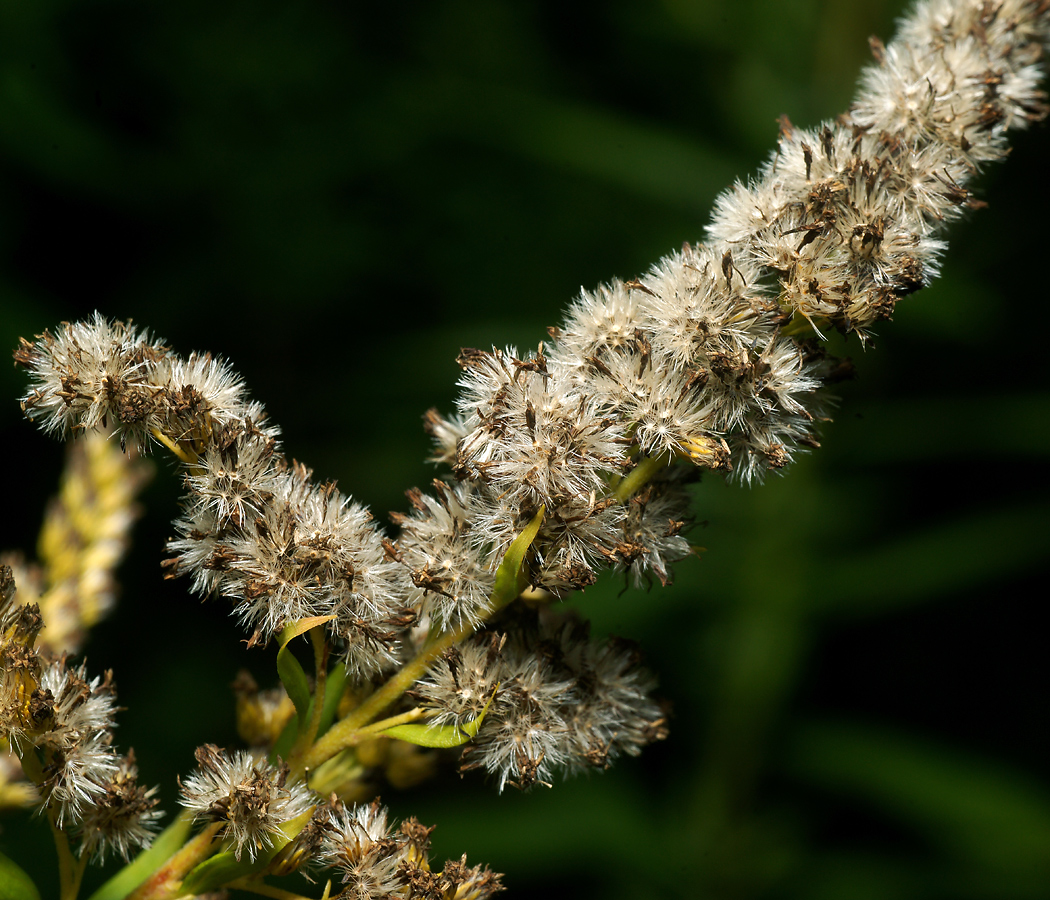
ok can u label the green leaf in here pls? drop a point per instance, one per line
(290, 671)
(224, 867)
(147, 862)
(14, 883)
(509, 576)
(443, 736)
(334, 686)
(283, 745)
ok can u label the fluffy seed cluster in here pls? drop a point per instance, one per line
(452, 581)
(700, 357)
(557, 700)
(289, 549)
(846, 217)
(94, 374)
(525, 440)
(356, 846)
(375, 861)
(252, 798)
(255, 528)
(711, 360)
(60, 724)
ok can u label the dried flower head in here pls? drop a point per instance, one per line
(73, 720)
(555, 700)
(452, 579)
(253, 798)
(366, 851)
(123, 818)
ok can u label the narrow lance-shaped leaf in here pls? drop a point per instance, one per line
(289, 669)
(510, 579)
(334, 686)
(441, 736)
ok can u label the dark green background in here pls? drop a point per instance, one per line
(339, 196)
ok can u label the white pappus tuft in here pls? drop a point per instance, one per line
(253, 799)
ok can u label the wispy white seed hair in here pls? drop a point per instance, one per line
(253, 798)
(233, 484)
(555, 699)
(698, 305)
(614, 711)
(465, 681)
(453, 583)
(364, 849)
(99, 374)
(575, 535)
(447, 432)
(123, 819)
(525, 740)
(300, 550)
(845, 216)
(530, 438)
(79, 715)
(199, 383)
(90, 372)
(700, 371)
(598, 324)
(653, 529)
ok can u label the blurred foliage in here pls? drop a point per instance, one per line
(339, 196)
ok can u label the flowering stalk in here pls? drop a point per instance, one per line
(560, 463)
(167, 880)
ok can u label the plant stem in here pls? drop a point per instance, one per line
(404, 718)
(173, 447)
(70, 869)
(510, 580)
(343, 734)
(255, 886)
(166, 881)
(640, 476)
(143, 865)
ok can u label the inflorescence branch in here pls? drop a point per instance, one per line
(560, 463)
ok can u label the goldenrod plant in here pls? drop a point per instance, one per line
(452, 639)
(83, 538)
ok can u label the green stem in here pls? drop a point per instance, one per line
(165, 882)
(70, 869)
(320, 676)
(31, 765)
(343, 733)
(803, 326)
(142, 866)
(188, 458)
(341, 769)
(255, 886)
(383, 724)
(509, 582)
(640, 476)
